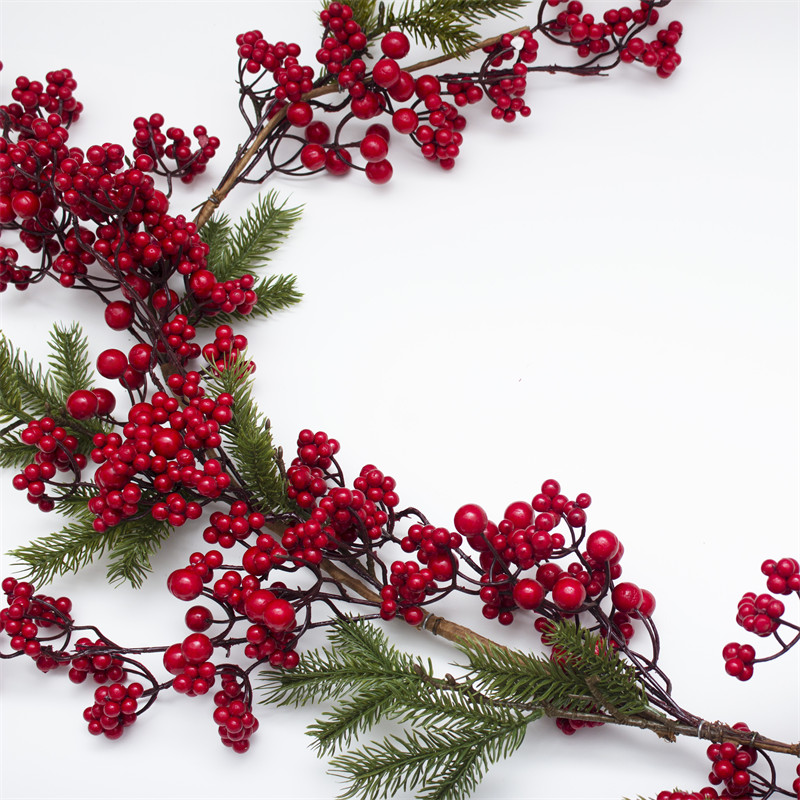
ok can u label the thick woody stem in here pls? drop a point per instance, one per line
(222, 191)
(662, 726)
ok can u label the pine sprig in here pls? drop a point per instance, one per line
(14, 453)
(586, 673)
(248, 245)
(248, 439)
(448, 764)
(69, 359)
(359, 655)
(216, 233)
(26, 390)
(372, 681)
(444, 24)
(130, 545)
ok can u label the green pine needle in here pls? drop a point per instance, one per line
(69, 359)
(452, 736)
(28, 391)
(129, 545)
(447, 764)
(248, 439)
(444, 24)
(248, 245)
(275, 293)
(589, 674)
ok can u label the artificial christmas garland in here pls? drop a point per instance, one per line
(214, 446)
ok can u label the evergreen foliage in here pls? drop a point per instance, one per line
(444, 24)
(129, 546)
(248, 246)
(586, 672)
(248, 439)
(372, 681)
(28, 391)
(450, 731)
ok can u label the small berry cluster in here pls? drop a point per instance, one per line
(56, 450)
(234, 714)
(114, 709)
(150, 143)
(763, 615)
(93, 658)
(19, 277)
(32, 99)
(730, 765)
(27, 613)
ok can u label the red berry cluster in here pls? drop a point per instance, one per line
(707, 793)
(189, 661)
(739, 659)
(783, 577)
(760, 614)
(10, 273)
(659, 53)
(344, 39)
(227, 297)
(56, 450)
(151, 147)
(409, 587)
(234, 714)
(114, 709)
(730, 765)
(256, 55)
(26, 614)
(93, 658)
(32, 99)
(160, 452)
(235, 526)
(225, 348)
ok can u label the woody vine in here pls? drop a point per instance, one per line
(297, 546)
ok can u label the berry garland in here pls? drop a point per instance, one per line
(344, 524)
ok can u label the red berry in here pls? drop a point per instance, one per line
(395, 44)
(300, 114)
(627, 597)
(602, 545)
(82, 404)
(112, 363)
(470, 520)
(528, 594)
(568, 593)
(25, 204)
(197, 648)
(119, 315)
(185, 584)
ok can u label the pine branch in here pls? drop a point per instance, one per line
(216, 234)
(258, 234)
(248, 438)
(73, 547)
(587, 672)
(15, 453)
(373, 681)
(444, 24)
(69, 359)
(130, 544)
(130, 555)
(352, 716)
(26, 391)
(448, 764)
(358, 658)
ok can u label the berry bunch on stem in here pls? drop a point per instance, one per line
(298, 546)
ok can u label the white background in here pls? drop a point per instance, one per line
(605, 293)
